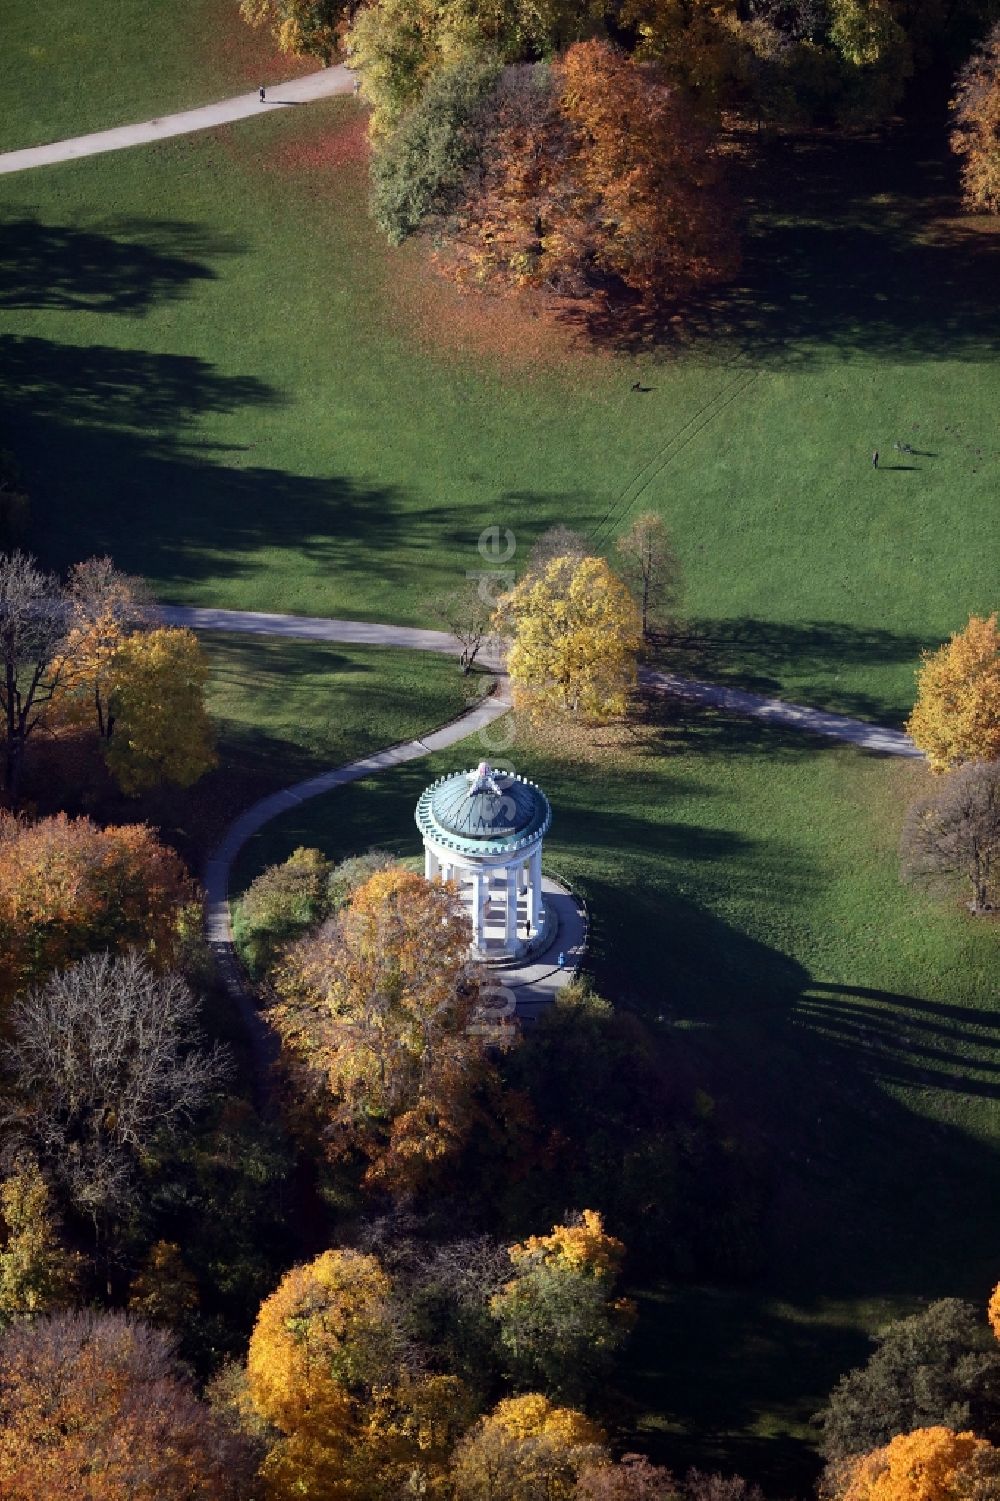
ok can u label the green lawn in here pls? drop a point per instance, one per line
(285, 710)
(67, 69)
(207, 373)
(744, 891)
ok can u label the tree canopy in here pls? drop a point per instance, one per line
(975, 135)
(957, 714)
(375, 1014)
(575, 634)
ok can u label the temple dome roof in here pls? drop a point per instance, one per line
(484, 811)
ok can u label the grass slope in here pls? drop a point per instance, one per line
(744, 891)
(207, 372)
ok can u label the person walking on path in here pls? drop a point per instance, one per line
(262, 93)
(875, 459)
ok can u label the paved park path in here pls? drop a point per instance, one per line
(870, 737)
(321, 85)
(535, 985)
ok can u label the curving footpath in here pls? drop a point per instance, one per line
(321, 85)
(878, 739)
(536, 984)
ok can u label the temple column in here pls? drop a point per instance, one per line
(478, 899)
(431, 864)
(536, 913)
(510, 930)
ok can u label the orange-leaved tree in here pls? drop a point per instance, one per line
(957, 714)
(94, 1407)
(69, 888)
(377, 1018)
(596, 179)
(929, 1464)
(649, 184)
(975, 136)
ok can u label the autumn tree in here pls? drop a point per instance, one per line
(162, 732)
(926, 1465)
(936, 1368)
(649, 206)
(93, 1405)
(523, 1449)
(596, 179)
(560, 1325)
(327, 1368)
(309, 28)
(975, 135)
(34, 619)
(956, 832)
(375, 1017)
(575, 635)
(633, 1478)
(957, 714)
(651, 567)
(68, 888)
(106, 607)
(104, 1059)
(398, 46)
(37, 1272)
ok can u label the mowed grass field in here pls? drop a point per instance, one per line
(744, 891)
(214, 369)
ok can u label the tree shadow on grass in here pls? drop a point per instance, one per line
(102, 435)
(852, 245)
(874, 1202)
(124, 268)
(755, 654)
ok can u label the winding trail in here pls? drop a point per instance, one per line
(321, 85)
(879, 739)
(535, 985)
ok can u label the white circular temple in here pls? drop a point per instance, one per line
(483, 830)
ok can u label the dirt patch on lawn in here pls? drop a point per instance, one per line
(323, 149)
(244, 56)
(528, 331)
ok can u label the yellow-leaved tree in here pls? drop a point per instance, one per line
(327, 1369)
(106, 608)
(929, 1464)
(376, 1016)
(161, 730)
(560, 1324)
(526, 1448)
(957, 714)
(37, 1272)
(575, 636)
